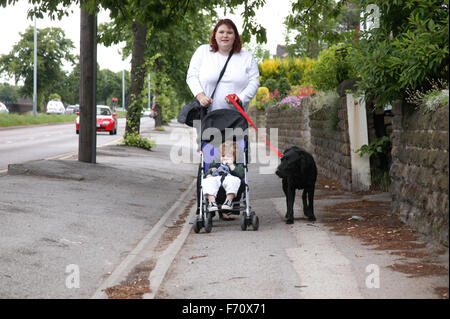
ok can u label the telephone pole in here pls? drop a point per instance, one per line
(88, 75)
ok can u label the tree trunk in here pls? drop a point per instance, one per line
(137, 77)
(88, 73)
(158, 117)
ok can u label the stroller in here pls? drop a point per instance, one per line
(232, 127)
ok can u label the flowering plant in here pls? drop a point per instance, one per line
(290, 101)
(302, 91)
(265, 100)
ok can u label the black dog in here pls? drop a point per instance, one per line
(298, 171)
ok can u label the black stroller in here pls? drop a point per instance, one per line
(216, 127)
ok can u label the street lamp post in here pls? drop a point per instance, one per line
(123, 89)
(35, 71)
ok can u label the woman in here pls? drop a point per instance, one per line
(241, 76)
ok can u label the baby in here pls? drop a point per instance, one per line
(226, 173)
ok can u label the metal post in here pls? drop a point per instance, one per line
(35, 71)
(88, 78)
(149, 102)
(123, 89)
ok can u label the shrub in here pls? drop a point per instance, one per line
(301, 90)
(283, 86)
(54, 96)
(410, 46)
(331, 68)
(135, 139)
(271, 84)
(292, 69)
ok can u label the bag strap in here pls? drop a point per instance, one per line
(222, 72)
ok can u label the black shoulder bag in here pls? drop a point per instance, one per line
(193, 111)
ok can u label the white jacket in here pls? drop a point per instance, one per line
(241, 76)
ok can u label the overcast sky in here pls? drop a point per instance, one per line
(14, 21)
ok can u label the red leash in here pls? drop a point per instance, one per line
(232, 98)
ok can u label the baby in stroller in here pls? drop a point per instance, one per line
(223, 171)
(226, 173)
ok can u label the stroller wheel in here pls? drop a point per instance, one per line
(208, 222)
(255, 222)
(243, 222)
(197, 226)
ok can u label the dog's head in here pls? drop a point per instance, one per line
(293, 162)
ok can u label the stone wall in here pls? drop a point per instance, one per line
(419, 170)
(292, 124)
(331, 148)
(296, 126)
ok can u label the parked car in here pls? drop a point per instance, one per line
(3, 108)
(106, 120)
(55, 107)
(73, 109)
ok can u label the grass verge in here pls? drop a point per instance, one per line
(28, 119)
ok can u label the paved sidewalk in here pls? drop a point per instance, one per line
(124, 224)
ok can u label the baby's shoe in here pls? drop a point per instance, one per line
(212, 207)
(227, 205)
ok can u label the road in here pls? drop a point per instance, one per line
(22, 144)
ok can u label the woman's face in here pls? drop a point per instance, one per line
(225, 37)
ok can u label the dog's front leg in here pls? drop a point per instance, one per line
(290, 198)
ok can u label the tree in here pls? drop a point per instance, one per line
(153, 17)
(407, 50)
(9, 93)
(53, 51)
(319, 24)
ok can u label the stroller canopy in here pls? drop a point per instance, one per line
(230, 123)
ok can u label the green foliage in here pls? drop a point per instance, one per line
(410, 48)
(283, 86)
(53, 50)
(271, 84)
(9, 93)
(135, 139)
(377, 146)
(332, 67)
(54, 96)
(14, 119)
(377, 150)
(318, 24)
(294, 70)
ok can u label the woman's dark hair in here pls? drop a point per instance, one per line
(237, 45)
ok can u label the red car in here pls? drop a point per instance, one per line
(106, 120)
